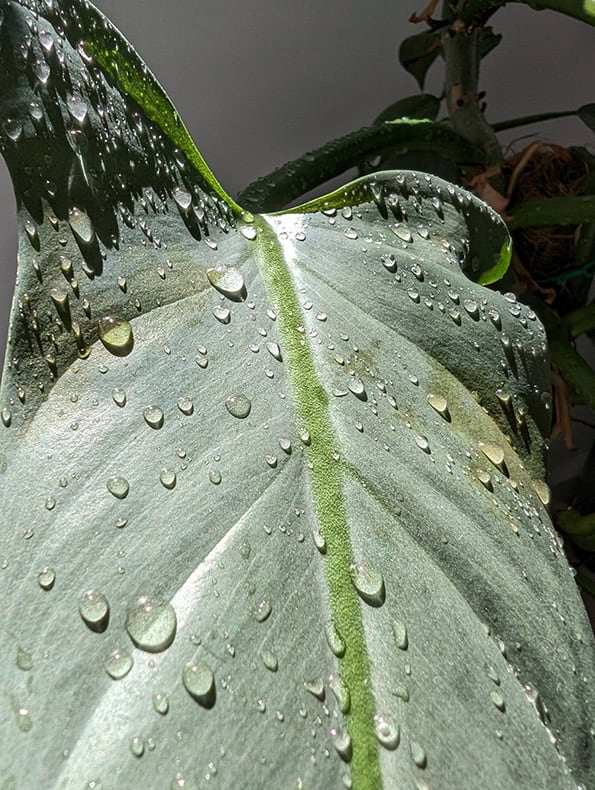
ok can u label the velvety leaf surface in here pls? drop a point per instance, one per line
(271, 487)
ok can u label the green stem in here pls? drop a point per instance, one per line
(289, 182)
(462, 56)
(525, 120)
(580, 321)
(573, 368)
(554, 211)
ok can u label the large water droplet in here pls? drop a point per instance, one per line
(118, 664)
(369, 584)
(439, 404)
(238, 406)
(116, 335)
(94, 609)
(222, 314)
(168, 478)
(357, 387)
(494, 453)
(81, 225)
(151, 624)
(118, 486)
(199, 682)
(228, 282)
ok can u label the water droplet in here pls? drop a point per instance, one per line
(151, 624)
(222, 314)
(238, 406)
(46, 578)
(262, 610)
(494, 453)
(340, 692)
(118, 486)
(315, 687)
(498, 700)
(215, 476)
(342, 743)
(387, 732)
(185, 405)
(24, 720)
(228, 282)
(439, 404)
(183, 199)
(484, 479)
(248, 232)
(471, 308)
(402, 233)
(269, 659)
(418, 753)
(357, 387)
(118, 664)
(335, 640)
(24, 659)
(77, 107)
(81, 225)
(275, 351)
(400, 634)
(119, 396)
(543, 492)
(423, 443)
(116, 335)
(369, 584)
(137, 746)
(319, 541)
(94, 609)
(168, 478)
(402, 692)
(161, 703)
(199, 682)
(153, 416)
(389, 261)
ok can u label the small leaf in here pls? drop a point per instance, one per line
(488, 40)
(418, 52)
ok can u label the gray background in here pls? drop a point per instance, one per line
(259, 83)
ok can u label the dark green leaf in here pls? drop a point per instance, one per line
(296, 178)
(421, 105)
(554, 211)
(297, 479)
(488, 40)
(583, 10)
(418, 52)
(587, 115)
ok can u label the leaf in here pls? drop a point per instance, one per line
(420, 106)
(587, 115)
(584, 10)
(553, 211)
(293, 179)
(418, 52)
(275, 445)
(488, 40)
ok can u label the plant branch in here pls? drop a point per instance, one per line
(525, 120)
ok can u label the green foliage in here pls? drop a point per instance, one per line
(272, 486)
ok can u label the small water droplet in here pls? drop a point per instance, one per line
(423, 443)
(161, 703)
(81, 225)
(498, 700)
(400, 634)
(238, 406)
(369, 584)
(262, 610)
(119, 396)
(222, 314)
(137, 746)
(116, 335)
(151, 624)
(185, 405)
(118, 664)
(315, 687)
(439, 404)
(228, 282)
(319, 541)
(24, 659)
(94, 610)
(402, 233)
(153, 416)
(215, 476)
(168, 478)
(389, 261)
(418, 753)
(275, 351)
(269, 659)
(248, 232)
(199, 682)
(340, 692)
(118, 486)
(387, 732)
(342, 743)
(357, 387)
(46, 578)
(335, 640)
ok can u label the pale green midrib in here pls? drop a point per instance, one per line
(311, 404)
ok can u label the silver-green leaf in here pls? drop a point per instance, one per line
(271, 486)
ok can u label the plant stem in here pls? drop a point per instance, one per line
(461, 52)
(581, 320)
(525, 120)
(554, 211)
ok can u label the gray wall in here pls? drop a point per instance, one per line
(259, 83)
